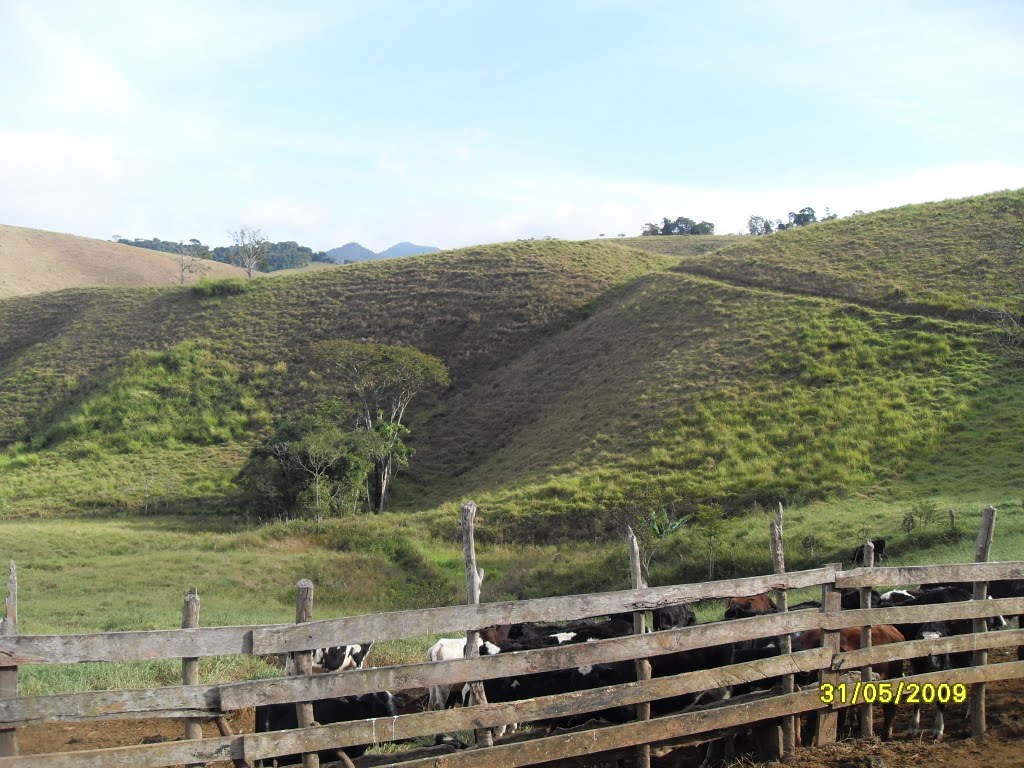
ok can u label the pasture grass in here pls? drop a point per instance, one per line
(946, 258)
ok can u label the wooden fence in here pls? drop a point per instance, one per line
(192, 702)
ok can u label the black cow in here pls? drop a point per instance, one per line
(850, 599)
(937, 662)
(279, 717)
(858, 553)
(672, 617)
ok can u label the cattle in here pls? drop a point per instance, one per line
(936, 662)
(745, 607)
(672, 617)
(340, 657)
(806, 605)
(897, 597)
(849, 640)
(446, 649)
(850, 599)
(334, 659)
(278, 717)
(858, 553)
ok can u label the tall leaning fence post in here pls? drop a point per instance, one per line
(303, 664)
(785, 642)
(643, 666)
(9, 675)
(190, 666)
(474, 577)
(831, 604)
(867, 724)
(982, 550)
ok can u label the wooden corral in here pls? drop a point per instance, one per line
(193, 702)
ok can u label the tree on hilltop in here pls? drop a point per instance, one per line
(250, 250)
(382, 379)
(191, 258)
(681, 226)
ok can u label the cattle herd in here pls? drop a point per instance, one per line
(524, 637)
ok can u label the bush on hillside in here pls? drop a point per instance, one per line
(310, 466)
(227, 286)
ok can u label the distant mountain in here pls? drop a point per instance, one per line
(351, 252)
(356, 252)
(406, 249)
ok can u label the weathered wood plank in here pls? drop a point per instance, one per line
(401, 624)
(867, 722)
(125, 646)
(474, 577)
(426, 674)
(254, 746)
(302, 663)
(171, 702)
(205, 700)
(545, 707)
(914, 648)
(619, 736)
(983, 550)
(920, 614)
(831, 604)
(190, 667)
(1008, 670)
(777, 542)
(642, 667)
(9, 675)
(929, 574)
(142, 756)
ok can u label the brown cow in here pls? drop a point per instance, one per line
(849, 640)
(744, 607)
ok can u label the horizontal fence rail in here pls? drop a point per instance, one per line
(216, 700)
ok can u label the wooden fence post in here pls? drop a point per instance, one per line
(643, 666)
(785, 642)
(831, 603)
(9, 675)
(474, 578)
(302, 664)
(982, 550)
(190, 666)
(867, 716)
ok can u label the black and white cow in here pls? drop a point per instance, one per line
(337, 658)
(279, 717)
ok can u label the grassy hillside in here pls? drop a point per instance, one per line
(35, 261)
(942, 258)
(65, 359)
(680, 245)
(579, 371)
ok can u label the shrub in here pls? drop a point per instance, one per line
(227, 286)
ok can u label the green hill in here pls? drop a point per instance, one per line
(945, 258)
(734, 371)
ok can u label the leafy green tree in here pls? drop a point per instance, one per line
(382, 379)
(802, 218)
(758, 225)
(311, 464)
(680, 226)
(643, 509)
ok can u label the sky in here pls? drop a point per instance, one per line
(456, 122)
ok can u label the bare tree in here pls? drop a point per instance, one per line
(190, 259)
(250, 249)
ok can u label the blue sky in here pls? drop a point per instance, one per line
(453, 123)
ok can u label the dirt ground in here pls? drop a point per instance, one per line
(1001, 748)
